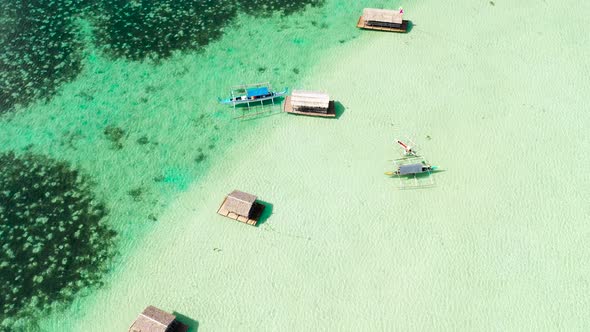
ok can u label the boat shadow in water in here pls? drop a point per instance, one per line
(417, 181)
(193, 325)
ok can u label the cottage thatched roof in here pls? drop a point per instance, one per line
(301, 98)
(152, 319)
(240, 202)
(382, 15)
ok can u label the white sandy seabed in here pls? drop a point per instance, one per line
(501, 241)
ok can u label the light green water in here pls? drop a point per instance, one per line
(499, 243)
(173, 126)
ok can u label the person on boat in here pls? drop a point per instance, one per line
(408, 151)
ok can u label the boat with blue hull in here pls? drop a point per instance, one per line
(247, 94)
(252, 95)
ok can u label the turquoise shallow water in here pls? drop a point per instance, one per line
(498, 242)
(137, 117)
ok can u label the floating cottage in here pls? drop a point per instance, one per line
(153, 319)
(242, 207)
(309, 103)
(383, 19)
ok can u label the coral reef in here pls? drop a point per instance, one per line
(54, 242)
(136, 194)
(39, 49)
(267, 7)
(115, 135)
(155, 28)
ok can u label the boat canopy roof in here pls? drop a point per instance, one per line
(382, 15)
(255, 92)
(410, 169)
(302, 98)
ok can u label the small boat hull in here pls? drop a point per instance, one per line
(249, 100)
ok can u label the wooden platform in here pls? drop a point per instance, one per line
(361, 24)
(257, 209)
(289, 109)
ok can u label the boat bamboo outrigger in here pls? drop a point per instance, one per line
(309, 103)
(250, 94)
(383, 19)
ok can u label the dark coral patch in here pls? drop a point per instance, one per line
(136, 194)
(54, 241)
(200, 157)
(115, 135)
(156, 28)
(143, 140)
(267, 7)
(39, 49)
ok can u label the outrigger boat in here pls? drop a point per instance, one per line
(252, 93)
(413, 172)
(413, 169)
